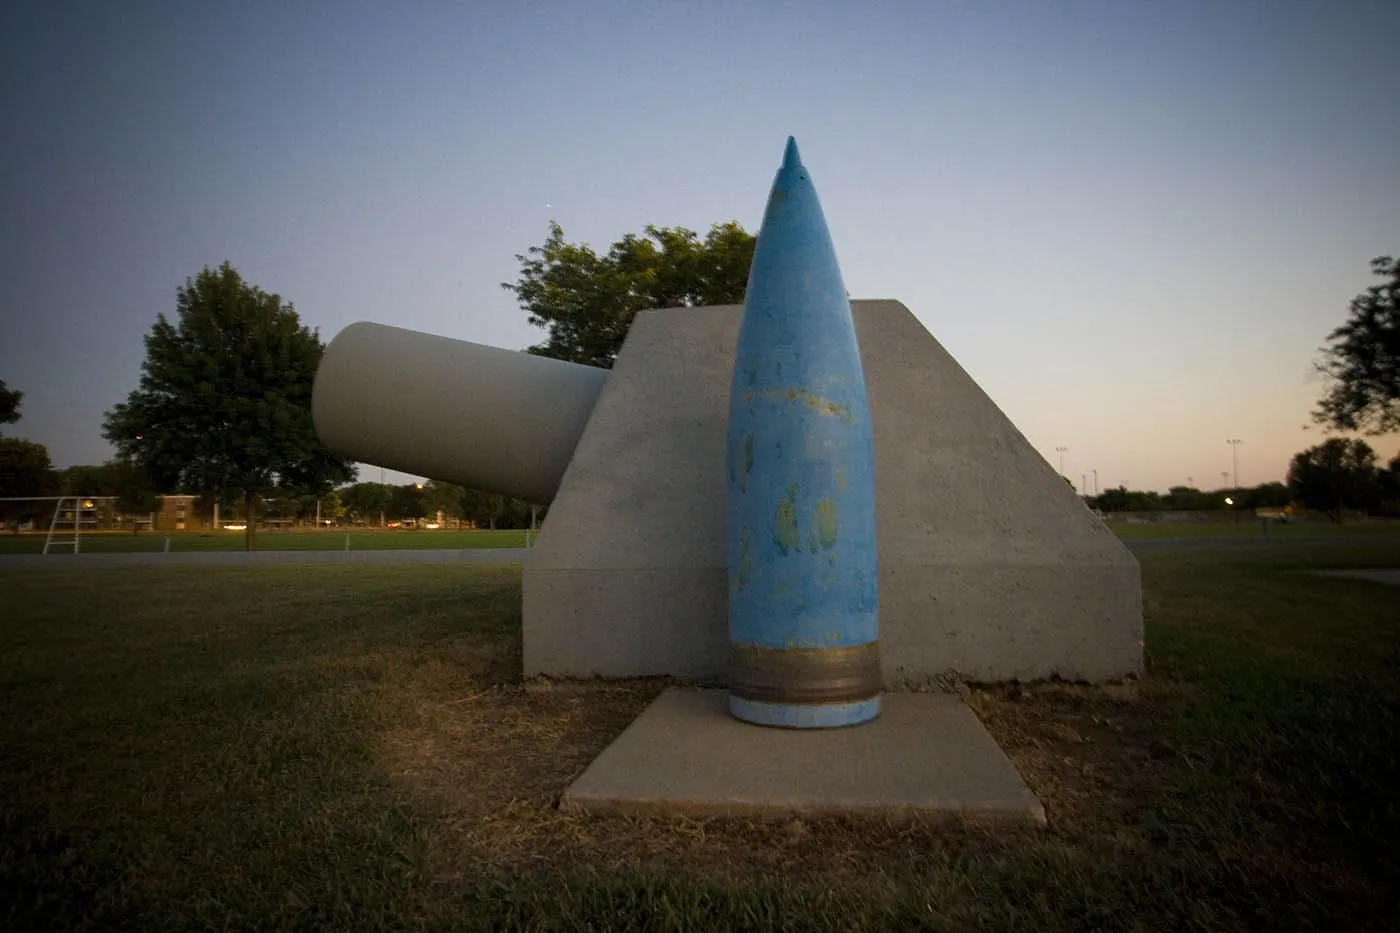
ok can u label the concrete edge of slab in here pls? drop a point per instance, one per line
(997, 817)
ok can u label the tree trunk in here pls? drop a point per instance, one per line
(250, 505)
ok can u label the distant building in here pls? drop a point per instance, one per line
(177, 513)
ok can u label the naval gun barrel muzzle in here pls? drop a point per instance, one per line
(502, 421)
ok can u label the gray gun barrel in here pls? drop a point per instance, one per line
(498, 420)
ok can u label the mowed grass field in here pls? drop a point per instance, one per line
(400, 539)
(1252, 528)
(349, 748)
(360, 540)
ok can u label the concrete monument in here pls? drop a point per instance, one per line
(713, 517)
(990, 567)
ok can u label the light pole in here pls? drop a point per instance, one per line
(1234, 443)
(1096, 482)
(1061, 451)
(1083, 484)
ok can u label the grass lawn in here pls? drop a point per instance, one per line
(375, 539)
(114, 542)
(1250, 528)
(337, 748)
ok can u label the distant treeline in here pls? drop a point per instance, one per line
(1190, 499)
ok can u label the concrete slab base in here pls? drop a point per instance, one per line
(926, 758)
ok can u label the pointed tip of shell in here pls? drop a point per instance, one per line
(791, 157)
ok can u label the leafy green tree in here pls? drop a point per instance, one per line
(1336, 475)
(1122, 499)
(131, 484)
(282, 505)
(366, 501)
(1389, 481)
(85, 481)
(587, 301)
(442, 497)
(497, 507)
(517, 514)
(332, 509)
(406, 502)
(1191, 499)
(224, 401)
(1267, 496)
(307, 507)
(9, 404)
(1362, 361)
(25, 468)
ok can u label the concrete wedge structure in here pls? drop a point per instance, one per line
(991, 568)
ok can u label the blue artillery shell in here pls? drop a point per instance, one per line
(803, 621)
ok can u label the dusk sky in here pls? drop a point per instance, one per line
(1132, 223)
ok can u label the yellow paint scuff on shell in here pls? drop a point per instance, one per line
(827, 521)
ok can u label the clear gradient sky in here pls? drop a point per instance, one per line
(1133, 223)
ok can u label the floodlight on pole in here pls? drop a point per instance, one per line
(1235, 443)
(1061, 451)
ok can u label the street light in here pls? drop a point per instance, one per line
(1235, 443)
(1061, 451)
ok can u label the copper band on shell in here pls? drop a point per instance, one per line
(808, 675)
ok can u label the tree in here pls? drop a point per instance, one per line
(85, 481)
(1267, 496)
(1389, 481)
(1362, 364)
(332, 509)
(445, 498)
(25, 468)
(406, 502)
(131, 484)
(366, 501)
(1337, 474)
(9, 404)
(587, 302)
(224, 402)
(1189, 498)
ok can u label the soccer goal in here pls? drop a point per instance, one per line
(71, 516)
